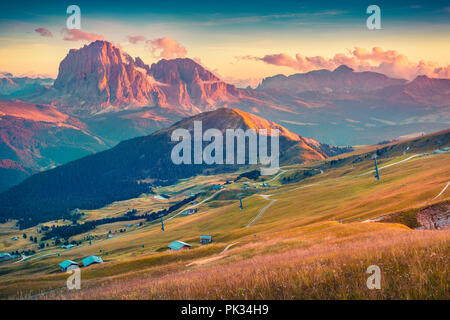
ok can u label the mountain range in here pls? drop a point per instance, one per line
(11, 86)
(102, 96)
(342, 79)
(135, 166)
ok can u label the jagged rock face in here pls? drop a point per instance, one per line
(189, 85)
(99, 75)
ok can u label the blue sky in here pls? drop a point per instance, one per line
(412, 11)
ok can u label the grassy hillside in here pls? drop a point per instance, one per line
(315, 240)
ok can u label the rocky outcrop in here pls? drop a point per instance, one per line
(188, 85)
(435, 217)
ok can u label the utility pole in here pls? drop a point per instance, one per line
(162, 223)
(439, 144)
(240, 200)
(377, 175)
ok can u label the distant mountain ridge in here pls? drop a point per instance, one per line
(422, 90)
(33, 137)
(342, 79)
(13, 85)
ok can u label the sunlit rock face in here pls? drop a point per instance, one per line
(100, 76)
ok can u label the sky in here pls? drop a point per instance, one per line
(240, 41)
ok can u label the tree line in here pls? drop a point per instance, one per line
(68, 231)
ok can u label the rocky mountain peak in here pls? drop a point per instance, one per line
(343, 68)
(100, 75)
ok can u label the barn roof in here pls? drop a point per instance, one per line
(177, 244)
(67, 263)
(90, 260)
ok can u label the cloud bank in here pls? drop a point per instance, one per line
(78, 35)
(389, 62)
(166, 48)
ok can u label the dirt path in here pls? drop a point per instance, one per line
(261, 212)
(214, 258)
(442, 191)
(228, 247)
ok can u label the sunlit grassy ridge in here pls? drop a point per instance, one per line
(310, 243)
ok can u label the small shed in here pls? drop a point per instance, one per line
(162, 196)
(67, 265)
(67, 246)
(90, 260)
(189, 212)
(15, 238)
(5, 256)
(205, 239)
(179, 245)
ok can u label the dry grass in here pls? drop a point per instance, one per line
(413, 265)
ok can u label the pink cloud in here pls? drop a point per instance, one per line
(136, 39)
(299, 63)
(44, 32)
(389, 62)
(78, 35)
(166, 48)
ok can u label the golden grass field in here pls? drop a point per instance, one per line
(313, 242)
